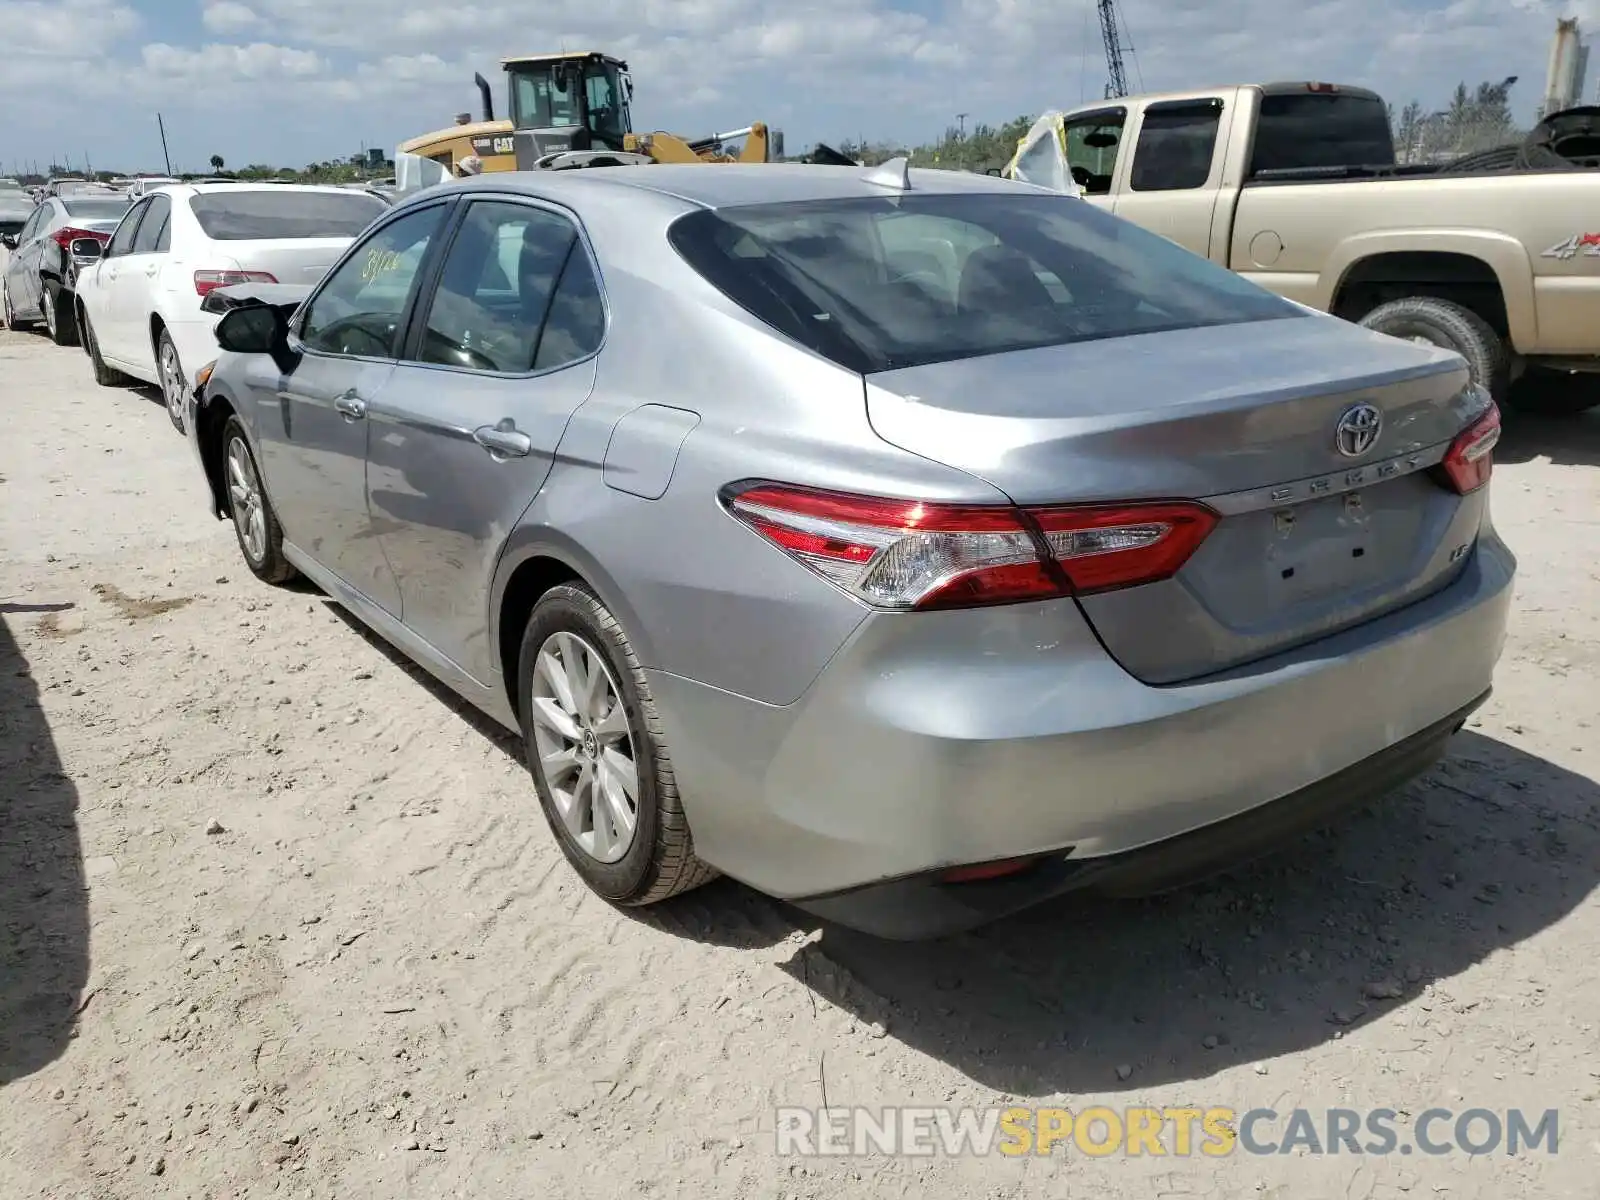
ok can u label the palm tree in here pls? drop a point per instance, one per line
(216, 162)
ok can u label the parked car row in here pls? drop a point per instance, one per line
(910, 545)
(125, 278)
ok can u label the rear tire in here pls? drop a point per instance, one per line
(173, 381)
(1452, 326)
(103, 375)
(1549, 393)
(58, 317)
(254, 523)
(572, 635)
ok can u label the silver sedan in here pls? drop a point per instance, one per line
(914, 546)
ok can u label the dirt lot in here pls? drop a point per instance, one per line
(278, 916)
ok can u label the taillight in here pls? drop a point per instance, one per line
(209, 281)
(1469, 462)
(66, 236)
(911, 554)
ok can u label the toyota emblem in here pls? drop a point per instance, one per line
(1357, 430)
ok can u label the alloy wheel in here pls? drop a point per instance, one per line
(172, 382)
(584, 747)
(49, 311)
(244, 493)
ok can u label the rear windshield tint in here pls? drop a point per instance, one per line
(95, 208)
(877, 284)
(243, 215)
(1320, 131)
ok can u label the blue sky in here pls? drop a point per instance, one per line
(294, 81)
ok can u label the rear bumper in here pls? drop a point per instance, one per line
(939, 739)
(924, 907)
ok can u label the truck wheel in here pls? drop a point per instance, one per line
(1555, 393)
(1449, 325)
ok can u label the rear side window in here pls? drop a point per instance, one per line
(876, 284)
(1311, 131)
(152, 236)
(259, 214)
(1176, 145)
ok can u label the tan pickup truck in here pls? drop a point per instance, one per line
(1294, 186)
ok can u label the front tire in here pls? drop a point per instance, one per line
(58, 320)
(254, 522)
(596, 752)
(1452, 326)
(174, 383)
(8, 315)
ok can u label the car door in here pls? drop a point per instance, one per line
(102, 304)
(465, 430)
(25, 278)
(16, 276)
(1094, 149)
(310, 422)
(1174, 179)
(132, 299)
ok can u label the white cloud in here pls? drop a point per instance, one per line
(229, 17)
(70, 29)
(223, 64)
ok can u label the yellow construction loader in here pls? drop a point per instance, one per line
(575, 110)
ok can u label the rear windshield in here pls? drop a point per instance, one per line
(243, 215)
(876, 284)
(1317, 131)
(95, 208)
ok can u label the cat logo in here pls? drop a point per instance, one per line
(1587, 244)
(505, 145)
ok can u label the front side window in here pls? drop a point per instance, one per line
(1176, 145)
(491, 310)
(122, 240)
(1093, 142)
(538, 103)
(976, 273)
(360, 306)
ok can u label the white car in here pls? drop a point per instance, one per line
(138, 306)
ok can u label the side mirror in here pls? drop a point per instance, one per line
(87, 249)
(8, 240)
(254, 329)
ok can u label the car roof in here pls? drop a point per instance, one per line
(230, 189)
(728, 185)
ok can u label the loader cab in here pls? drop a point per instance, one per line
(576, 101)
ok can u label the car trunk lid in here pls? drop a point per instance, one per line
(299, 261)
(1312, 538)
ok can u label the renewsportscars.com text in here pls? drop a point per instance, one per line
(1216, 1132)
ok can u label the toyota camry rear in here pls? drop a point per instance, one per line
(1045, 555)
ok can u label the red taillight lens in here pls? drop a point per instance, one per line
(66, 236)
(909, 554)
(1470, 460)
(1115, 546)
(209, 281)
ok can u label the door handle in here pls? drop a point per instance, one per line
(352, 406)
(503, 439)
(151, 270)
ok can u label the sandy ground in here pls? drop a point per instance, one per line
(379, 979)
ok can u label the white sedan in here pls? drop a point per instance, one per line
(138, 306)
